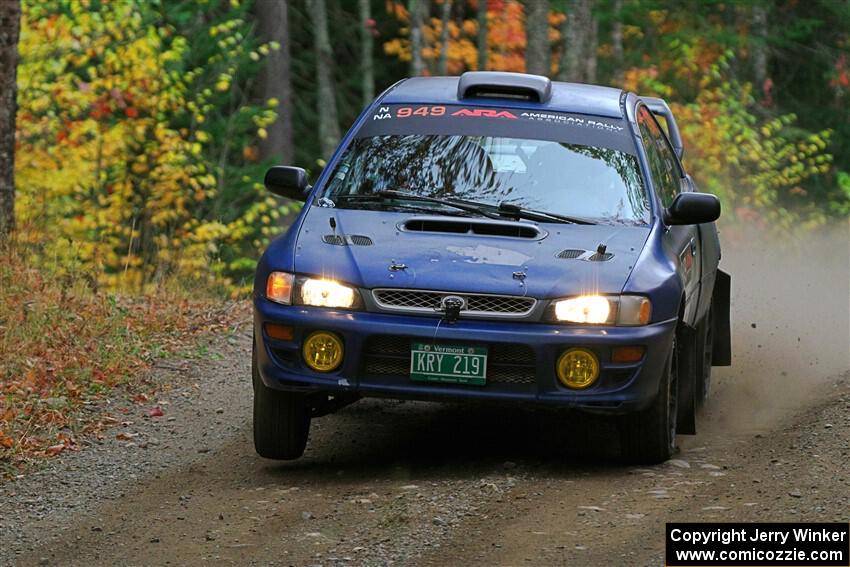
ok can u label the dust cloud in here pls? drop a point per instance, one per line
(790, 325)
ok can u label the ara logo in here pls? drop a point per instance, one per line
(484, 112)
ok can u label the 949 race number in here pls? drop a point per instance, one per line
(436, 111)
(408, 111)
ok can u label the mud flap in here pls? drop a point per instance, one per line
(721, 354)
(686, 420)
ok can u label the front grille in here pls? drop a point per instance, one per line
(404, 299)
(386, 355)
(480, 304)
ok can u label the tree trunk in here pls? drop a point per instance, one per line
(578, 58)
(10, 22)
(537, 37)
(617, 43)
(443, 67)
(590, 51)
(482, 35)
(566, 41)
(275, 79)
(417, 64)
(366, 52)
(328, 123)
(759, 45)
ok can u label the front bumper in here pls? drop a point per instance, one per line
(523, 357)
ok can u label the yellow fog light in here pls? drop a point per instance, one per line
(322, 351)
(577, 368)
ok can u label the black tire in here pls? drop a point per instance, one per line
(704, 353)
(281, 420)
(649, 436)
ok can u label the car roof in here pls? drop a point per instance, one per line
(565, 97)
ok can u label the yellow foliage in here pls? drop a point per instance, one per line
(105, 177)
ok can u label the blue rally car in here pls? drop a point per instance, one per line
(495, 237)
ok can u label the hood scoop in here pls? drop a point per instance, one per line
(586, 255)
(481, 227)
(347, 240)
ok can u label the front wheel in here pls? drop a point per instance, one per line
(281, 420)
(649, 436)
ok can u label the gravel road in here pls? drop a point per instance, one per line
(391, 483)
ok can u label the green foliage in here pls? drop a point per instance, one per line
(760, 162)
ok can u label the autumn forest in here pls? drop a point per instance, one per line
(142, 130)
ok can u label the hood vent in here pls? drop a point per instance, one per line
(478, 228)
(586, 255)
(571, 254)
(347, 240)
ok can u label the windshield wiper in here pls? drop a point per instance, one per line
(468, 206)
(511, 210)
(484, 209)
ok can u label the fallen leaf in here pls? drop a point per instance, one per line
(155, 411)
(56, 449)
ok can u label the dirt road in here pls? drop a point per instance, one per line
(389, 483)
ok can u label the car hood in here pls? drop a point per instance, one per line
(464, 262)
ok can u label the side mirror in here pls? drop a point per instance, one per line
(693, 208)
(287, 181)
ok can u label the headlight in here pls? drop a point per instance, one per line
(288, 289)
(326, 293)
(584, 309)
(623, 310)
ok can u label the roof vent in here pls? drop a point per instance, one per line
(495, 84)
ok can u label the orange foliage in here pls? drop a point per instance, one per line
(506, 38)
(64, 345)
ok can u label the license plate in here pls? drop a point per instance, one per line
(453, 364)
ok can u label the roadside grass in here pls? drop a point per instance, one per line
(64, 345)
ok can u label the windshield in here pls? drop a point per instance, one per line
(571, 179)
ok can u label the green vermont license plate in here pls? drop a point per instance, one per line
(454, 364)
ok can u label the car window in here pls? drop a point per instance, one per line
(662, 162)
(574, 165)
(594, 183)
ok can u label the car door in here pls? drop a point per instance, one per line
(681, 242)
